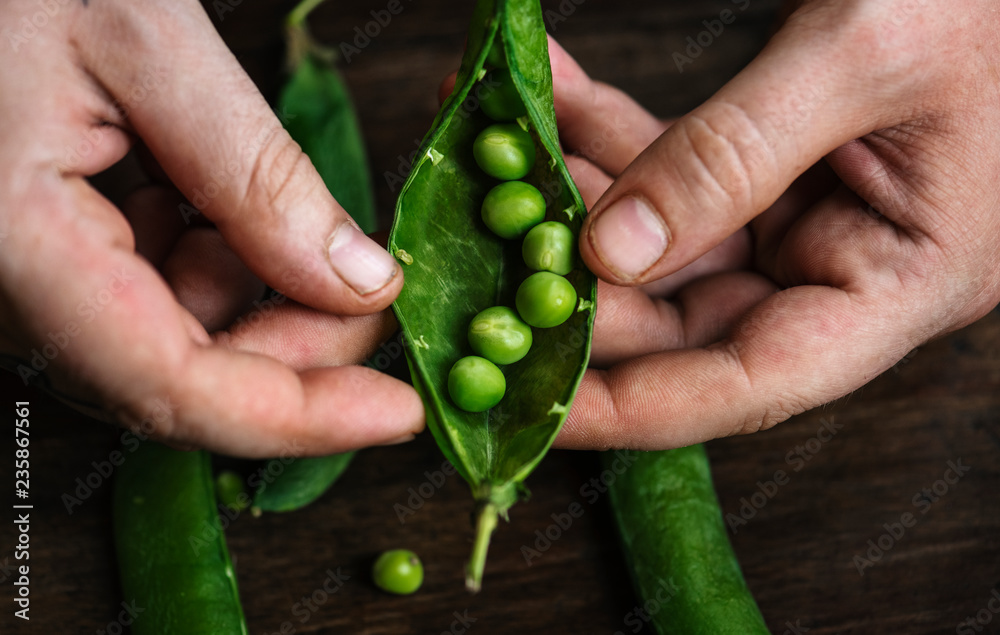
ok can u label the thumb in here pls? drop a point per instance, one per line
(731, 158)
(209, 127)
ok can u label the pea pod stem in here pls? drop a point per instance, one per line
(486, 522)
(301, 11)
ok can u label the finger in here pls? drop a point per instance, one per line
(209, 280)
(771, 226)
(787, 356)
(631, 324)
(590, 180)
(596, 120)
(865, 298)
(153, 213)
(304, 338)
(731, 158)
(121, 333)
(447, 85)
(734, 252)
(212, 132)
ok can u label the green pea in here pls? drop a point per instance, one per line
(496, 57)
(545, 300)
(230, 491)
(549, 246)
(398, 571)
(476, 384)
(500, 100)
(504, 151)
(512, 208)
(499, 335)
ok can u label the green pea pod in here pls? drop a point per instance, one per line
(298, 483)
(455, 267)
(318, 113)
(172, 559)
(675, 542)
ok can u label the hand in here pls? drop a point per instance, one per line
(81, 305)
(830, 208)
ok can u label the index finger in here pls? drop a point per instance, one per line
(142, 353)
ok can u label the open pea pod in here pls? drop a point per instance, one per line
(455, 267)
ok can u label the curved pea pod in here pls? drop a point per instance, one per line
(676, 545)
(298, 483)
(172, 558)
(455, 267)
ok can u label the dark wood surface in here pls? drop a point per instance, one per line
(898, 434)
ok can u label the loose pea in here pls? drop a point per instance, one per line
(504, 151)
(398, 571)
(231, 491)
(499, 335)
(549, 247)
(545, 300)
(476, 384)
(500, 100)
(512, 208)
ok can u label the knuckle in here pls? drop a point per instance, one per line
(730, 152)
(279, 177)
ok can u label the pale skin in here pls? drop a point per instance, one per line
(281, 384)
(829, 209)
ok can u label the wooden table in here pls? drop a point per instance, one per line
(894, 438)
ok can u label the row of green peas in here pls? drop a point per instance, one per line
(513, 210)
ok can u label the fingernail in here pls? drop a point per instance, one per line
(409, 436)
(629, 237)
(359, 261)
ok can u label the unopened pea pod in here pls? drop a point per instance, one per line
(179, 575)
(297, 482)
(676, 543)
